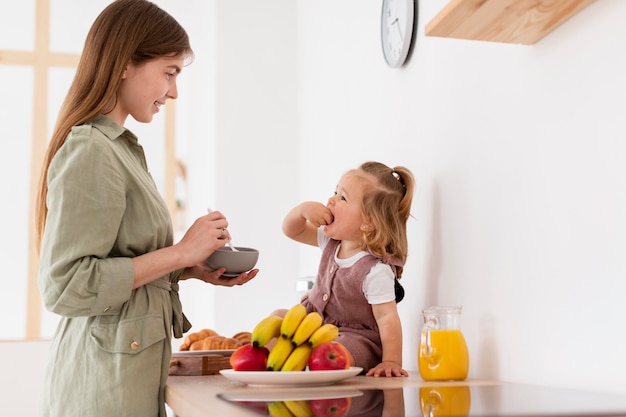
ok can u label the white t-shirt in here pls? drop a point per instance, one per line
(378, 285)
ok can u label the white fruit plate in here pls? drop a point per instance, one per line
(290, 378)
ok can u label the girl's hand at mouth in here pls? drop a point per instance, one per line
(316, 213)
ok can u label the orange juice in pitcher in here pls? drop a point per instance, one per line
(443, 354)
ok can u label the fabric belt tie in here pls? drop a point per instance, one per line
(180, 324)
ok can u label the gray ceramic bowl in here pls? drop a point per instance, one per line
(234, 262)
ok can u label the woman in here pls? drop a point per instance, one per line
(108, 264)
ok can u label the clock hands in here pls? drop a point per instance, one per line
(395, 23)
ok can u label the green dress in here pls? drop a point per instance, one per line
(110, 353)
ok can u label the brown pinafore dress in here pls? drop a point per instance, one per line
(338, 296)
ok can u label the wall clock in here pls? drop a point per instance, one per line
(397, 30)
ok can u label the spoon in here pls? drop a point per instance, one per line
(230, 242)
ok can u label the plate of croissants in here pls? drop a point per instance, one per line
(210, 342)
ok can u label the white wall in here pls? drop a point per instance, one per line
(252, 119)
(518, 154)
(22, 377)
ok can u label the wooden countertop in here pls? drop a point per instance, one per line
(197, 396)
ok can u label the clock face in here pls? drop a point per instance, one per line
(396, 30)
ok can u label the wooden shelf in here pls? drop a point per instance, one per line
(509, 21)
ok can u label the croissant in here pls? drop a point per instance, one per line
(215, 343)
(243, 337)
(194, 337)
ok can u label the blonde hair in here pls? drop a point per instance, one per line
(387, 205)
(126, 31)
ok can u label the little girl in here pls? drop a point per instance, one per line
(362, 234)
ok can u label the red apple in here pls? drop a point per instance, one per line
(249, 358)
(330, 407)
(329, 355)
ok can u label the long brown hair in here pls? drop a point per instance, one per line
(387, 205)
(126, 31)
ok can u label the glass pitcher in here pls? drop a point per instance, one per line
(443, 354)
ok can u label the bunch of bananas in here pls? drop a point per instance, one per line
(297, 334)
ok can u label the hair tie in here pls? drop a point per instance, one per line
(397, 176)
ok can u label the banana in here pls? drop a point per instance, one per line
(292, 319)
(279, 354)
(326, 333)
(298, 359)
(308, 325)
(278, 409)
(299, 408)
(266, 330)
